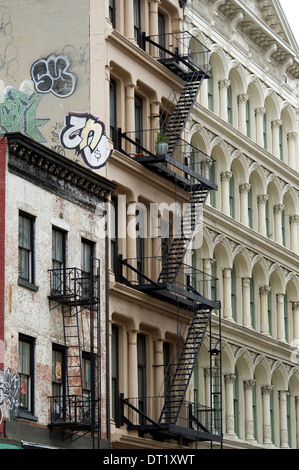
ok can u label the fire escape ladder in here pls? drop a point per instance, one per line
(175, 256)
(176, 392)
(73, 349)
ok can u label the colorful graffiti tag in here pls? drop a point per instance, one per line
(52, 75)
(18, 114)
(86, 135)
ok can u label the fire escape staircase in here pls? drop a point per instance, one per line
(78, 295)
(199, 309)
(176, 392)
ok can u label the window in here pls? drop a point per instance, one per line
(113, 217)
(86, 385)
(114, 375)
(58, 381)
(140, 235)
(232, 197)
(87, 249)
(283, 228)
(26, 376)
(138, 123)
(137, 22)
(285, 314)
(280, 143)
(269, 305)
(113, 122)
(248, 133)
(265, 131)
(236, 404)
(210, 94)
(112, 12)
(26, 248)
(161, 32)
(229, 105)
(58, 260)
(250, 218)
(252, 303)
(141, 360)
(234, 294)
(267, 219)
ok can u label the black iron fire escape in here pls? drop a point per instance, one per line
(187, 59)
(77, 408)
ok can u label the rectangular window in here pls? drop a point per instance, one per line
(26, 248)
(232, 196)
(58, 260)
(141, 360)
(112, 12)
(229, 105)
(58, 381)
(113, 218)
(137, 22)
(87, 251)
(86, 384)
(113, 122)
(26, 373)
(138, 124)
(248, 130)
(114, 375)
(211, 94)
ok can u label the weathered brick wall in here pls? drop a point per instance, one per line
(28, 312)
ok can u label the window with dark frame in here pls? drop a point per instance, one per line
(58, 260)
(26, 374)
(114, 375)
(112, 12)
(26, 248)
(87, 253)
(58, 381)
(113, 113)
(137, 21)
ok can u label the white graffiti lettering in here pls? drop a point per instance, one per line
(86, 135)
(51, 75)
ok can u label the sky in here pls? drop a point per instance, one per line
(291, 10)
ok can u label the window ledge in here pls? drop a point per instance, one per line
(27, 284)
(27, 415)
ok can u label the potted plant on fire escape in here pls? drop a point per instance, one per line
(162, 143)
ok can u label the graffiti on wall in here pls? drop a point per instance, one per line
(86, 135)
(9, 390)
(52, 75)
(18, 114)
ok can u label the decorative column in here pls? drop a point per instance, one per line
(267, 435)
(281, 334)
(275, 137)
(246, 302)
(295, 309)
(207, 269)
(227, 302)
(132, 369)
(225, 179)
(242, 100)
(129, 19)
(130, 113)
(292, 139)
(283, 419)
(278, 209)
(229, 380)
(244, 190)
(264, 291)
(204, 89)
(249, 423)
(294, 233)
(223, 86)
(259, 114)
(262, 200)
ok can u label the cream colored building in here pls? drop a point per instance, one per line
(95, 83)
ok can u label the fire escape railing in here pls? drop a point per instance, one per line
(179, 51)
(78, 294)
(167, 276)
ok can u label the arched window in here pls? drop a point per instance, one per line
(248, 132)
(252, 303)
(232, 197)
(229, 105)
(211, 94)
(265, 131)
(250, 216)
(234, 294)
